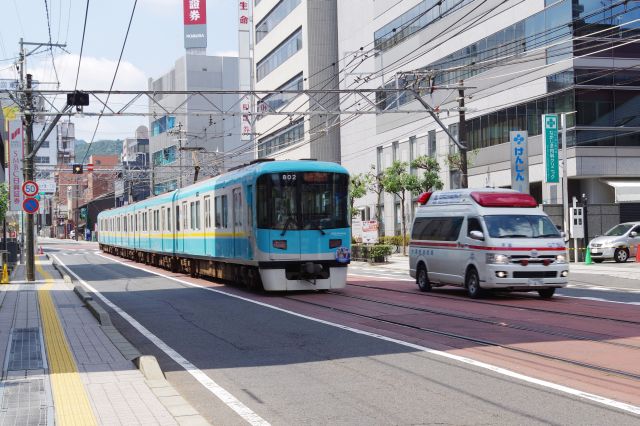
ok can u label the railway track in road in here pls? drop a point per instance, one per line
(475, 340)
(485, 302)
(500, 324)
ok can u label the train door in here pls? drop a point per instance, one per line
(163, 241)
(249, 223)
(238, 226)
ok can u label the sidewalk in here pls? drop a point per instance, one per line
(629, 270)
(60, 365)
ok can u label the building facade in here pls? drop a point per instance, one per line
(517, 61)
(180, 141)
(296, 48)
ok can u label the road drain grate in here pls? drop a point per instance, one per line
(23, 402)
(26, 352)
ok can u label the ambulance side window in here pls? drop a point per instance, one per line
(473, 224)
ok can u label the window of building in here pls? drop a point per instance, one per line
(275, 101)
(432, 143)
(414, 20)
(273, 18)
(279, 55)
(284, 138)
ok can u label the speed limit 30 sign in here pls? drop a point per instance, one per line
(30, 188)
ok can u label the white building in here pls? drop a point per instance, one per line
(518, 60)
(296, 47)
(177, 140)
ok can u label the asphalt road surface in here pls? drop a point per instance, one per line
(239, 361)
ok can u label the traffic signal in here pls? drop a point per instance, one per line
(77, 169)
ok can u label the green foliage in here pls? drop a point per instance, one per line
(104, 147)
(395, 240)
(4, 200)
(367, 252)
(398, 181)
(431, 178)
(380, 250)
(357, 189)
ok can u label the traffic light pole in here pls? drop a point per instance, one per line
(28, 175)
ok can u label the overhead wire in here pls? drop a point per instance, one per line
(115, 74)
(84, 30)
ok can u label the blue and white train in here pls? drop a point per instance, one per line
(276, 225)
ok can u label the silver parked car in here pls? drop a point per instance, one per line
(618, 243)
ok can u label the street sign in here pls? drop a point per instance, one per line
(30, 188)
(550, 148)
(519, 161)
(30, 205)
(90, 167)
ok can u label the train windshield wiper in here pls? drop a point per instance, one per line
(286, 225)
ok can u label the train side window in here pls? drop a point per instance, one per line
(168, 228)
(125, 223)
(162, 225)
(177, 218)
(237, 207)
(218, 212)
(207, 212)
(184, 216)
(225, 212)
(198, 207)
(193, 215)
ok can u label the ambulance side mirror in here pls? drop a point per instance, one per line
(476, 235)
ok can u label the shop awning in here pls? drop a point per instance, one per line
(627, 191)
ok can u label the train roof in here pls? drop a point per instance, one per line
(255, 168)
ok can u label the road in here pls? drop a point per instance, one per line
(240, 357)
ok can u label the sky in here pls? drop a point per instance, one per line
(155, 41)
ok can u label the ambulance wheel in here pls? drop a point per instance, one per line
(547, 293)
(472, 283)
(422, 279)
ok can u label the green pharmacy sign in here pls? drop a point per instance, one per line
(550, 148)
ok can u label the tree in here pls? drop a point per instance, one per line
(454, 160)
(4, 201)
(398, 181)
(431, 178)
(357, 189)
(374, 184)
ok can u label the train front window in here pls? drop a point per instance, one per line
(303, 200)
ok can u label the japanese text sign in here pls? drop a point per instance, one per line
(519, 161)
(550, 148)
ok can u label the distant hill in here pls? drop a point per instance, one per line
(104, 147)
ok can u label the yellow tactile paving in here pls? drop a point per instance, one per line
(71, 402)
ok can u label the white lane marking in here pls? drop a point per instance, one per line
(370, 275)
(597, 299)
(602, 288)
(499, 370)
(245, 412)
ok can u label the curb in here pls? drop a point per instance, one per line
(182, 411)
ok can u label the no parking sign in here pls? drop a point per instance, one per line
(30, 205)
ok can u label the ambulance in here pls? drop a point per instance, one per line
(486, 239)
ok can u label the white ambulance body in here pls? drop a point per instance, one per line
(486, 239)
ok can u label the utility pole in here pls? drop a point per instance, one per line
(28, 175)
(462, 136)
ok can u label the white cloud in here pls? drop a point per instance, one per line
(97, 74)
